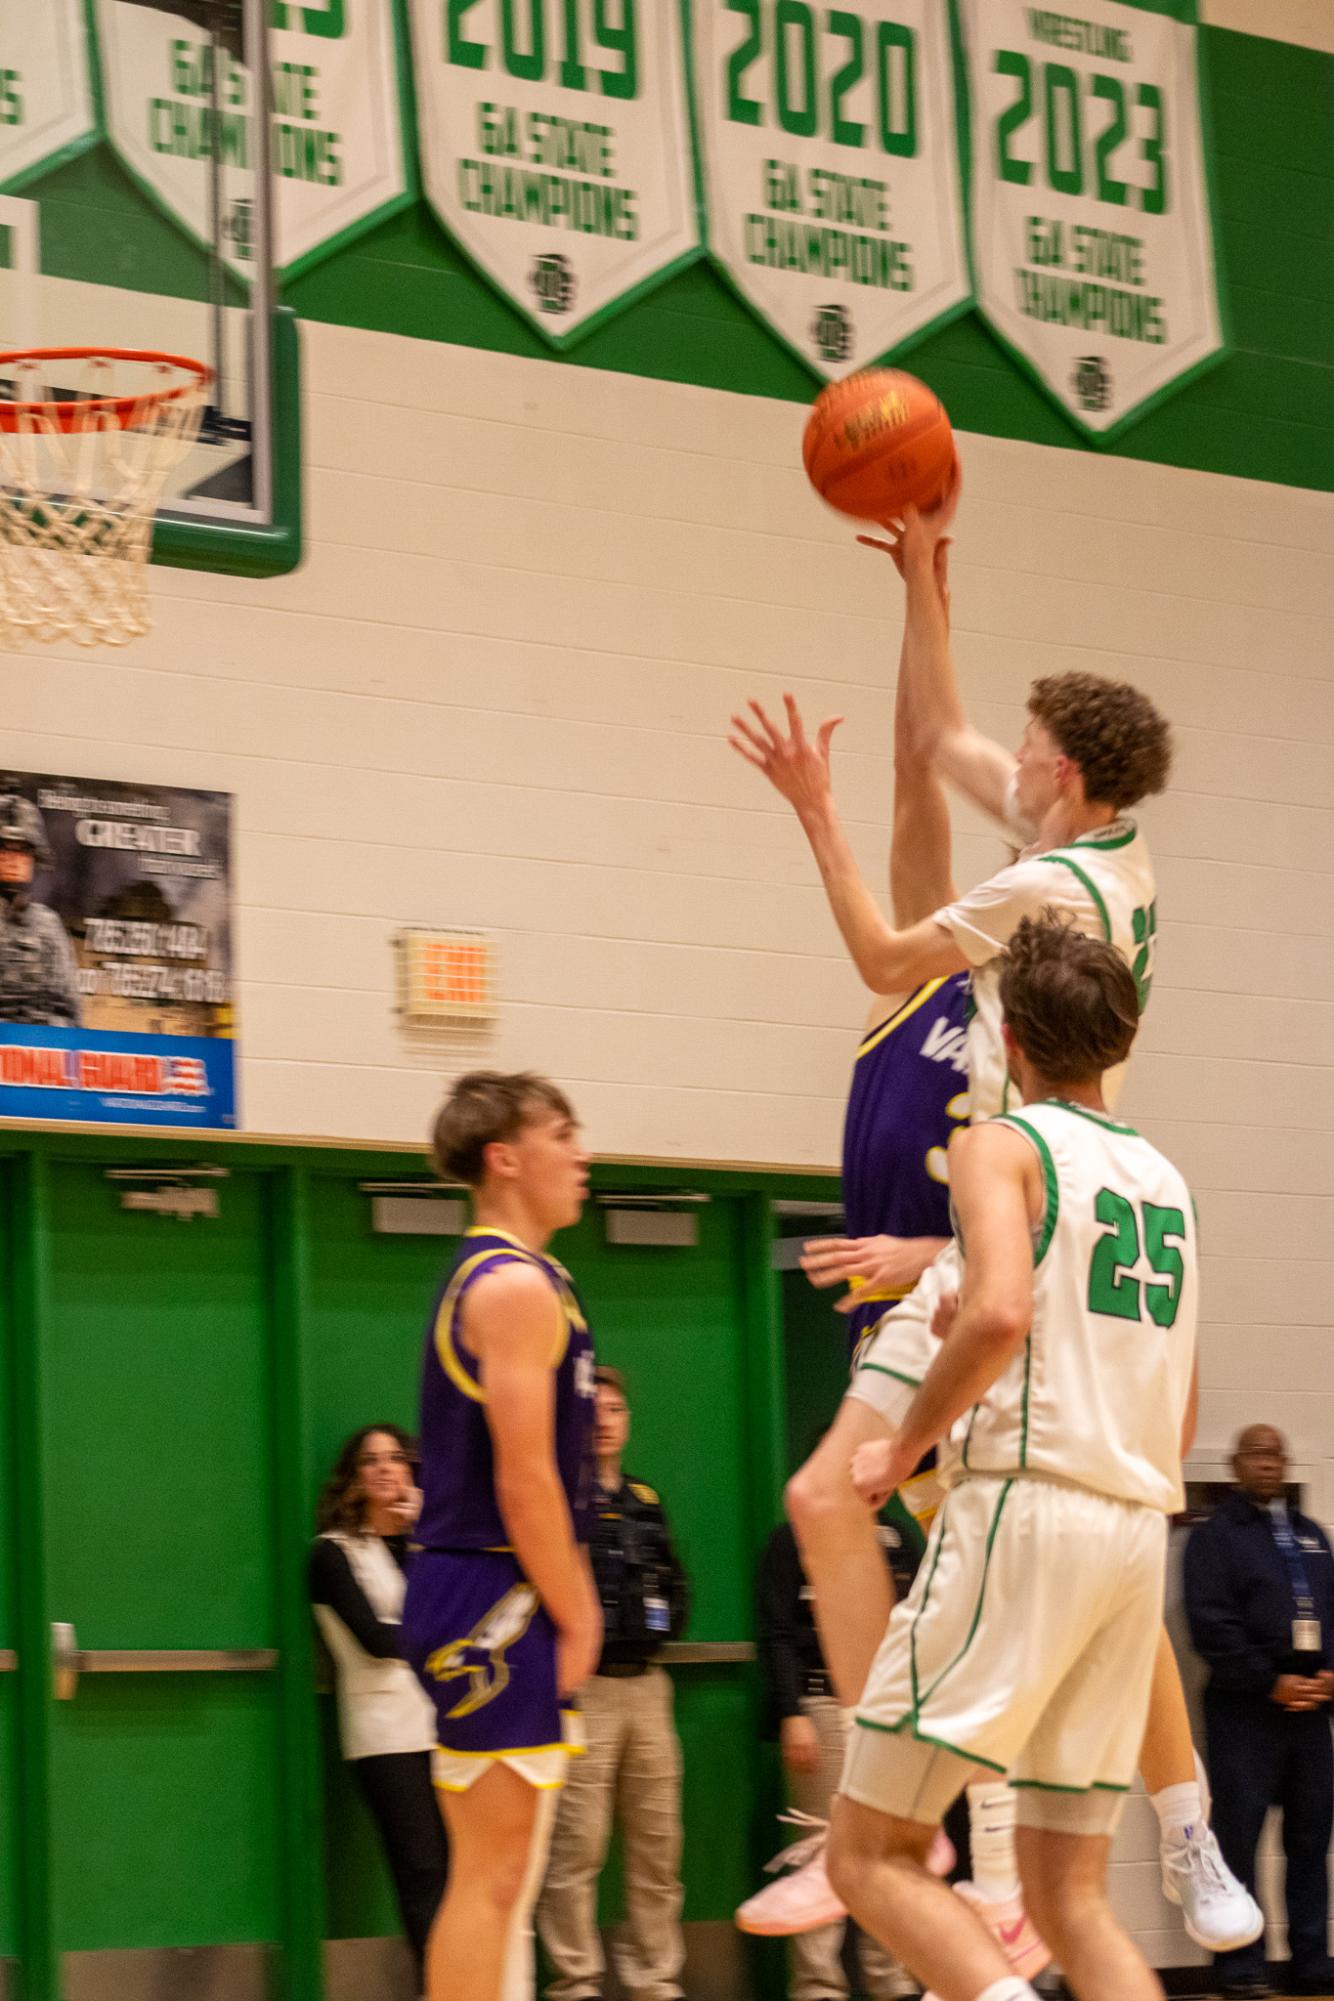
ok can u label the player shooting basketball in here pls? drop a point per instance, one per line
(1091, 750)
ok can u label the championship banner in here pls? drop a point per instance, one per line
(556, 148)
(115, 953)
(832, 169)
(46, 101)
(1092, 238)
(337, 140)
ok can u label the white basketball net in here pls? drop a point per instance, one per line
(87, 441)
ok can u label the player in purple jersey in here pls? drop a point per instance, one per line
(909, 1091)
(502, 1621)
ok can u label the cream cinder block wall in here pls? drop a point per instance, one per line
(496, 695)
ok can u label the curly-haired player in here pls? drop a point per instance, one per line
(1091, 749)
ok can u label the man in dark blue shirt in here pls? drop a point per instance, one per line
(1259, 1582)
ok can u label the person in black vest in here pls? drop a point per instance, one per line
(634, 1755)
(1259, 1586)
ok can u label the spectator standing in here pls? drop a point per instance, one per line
(386, 1723)
(1259, 1585)
(812, 1738)
(633, 1757)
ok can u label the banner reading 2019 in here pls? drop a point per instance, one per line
(555, 147)
(833, 170)
(1092, 240)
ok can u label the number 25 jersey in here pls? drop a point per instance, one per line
(1098, 1393)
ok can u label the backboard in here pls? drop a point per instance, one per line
(136, 211)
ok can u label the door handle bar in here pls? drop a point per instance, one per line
(70, 1660)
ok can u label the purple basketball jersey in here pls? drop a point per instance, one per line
(909, 1091)
(459, 1506)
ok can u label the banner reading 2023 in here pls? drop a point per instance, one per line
(832, 169)
(1092, 239)
(555, 148)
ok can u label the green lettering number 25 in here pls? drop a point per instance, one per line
(1113, 1291)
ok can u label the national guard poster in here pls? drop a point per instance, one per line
(1092, 238)
(831, 162)
(116, 992)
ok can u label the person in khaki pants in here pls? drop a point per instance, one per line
(632, 1766)
(812, 1738)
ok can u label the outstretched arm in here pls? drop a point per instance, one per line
(889, 960)
(980, 768)
(921, 879)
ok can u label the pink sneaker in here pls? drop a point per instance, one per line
(1012, 1929)
(801, 1901)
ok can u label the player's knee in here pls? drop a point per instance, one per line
(502, 1882)
(816, 1495)
(1061, 1908)
(846, 1866)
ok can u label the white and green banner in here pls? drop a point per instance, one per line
(832, 169)
(556, 148)
(337, 136)
(1092, 240)
(46, 100)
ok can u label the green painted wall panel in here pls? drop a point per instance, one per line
(10, 1816)
(166, 1808)
(156, 1420)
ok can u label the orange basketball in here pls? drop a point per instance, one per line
(878, 442)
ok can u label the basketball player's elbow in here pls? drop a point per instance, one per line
(1002, 1320)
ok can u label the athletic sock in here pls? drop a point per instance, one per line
(1179, 1809)
(1009, 1990)
(991, 1809)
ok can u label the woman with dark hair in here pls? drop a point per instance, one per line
(387, 1725)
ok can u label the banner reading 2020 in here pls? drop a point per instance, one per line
(555, 148)
(337, 149)
(832, 169)
(1092, 240)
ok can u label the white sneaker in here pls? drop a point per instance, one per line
(1219, 1913)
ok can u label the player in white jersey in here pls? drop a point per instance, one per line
(1063, 1387)
(1091, 750)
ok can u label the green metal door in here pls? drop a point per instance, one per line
(158, 1475)
(11, 1774)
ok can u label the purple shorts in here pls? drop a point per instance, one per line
(484, 1649)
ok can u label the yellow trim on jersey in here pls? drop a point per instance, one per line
(511, 1751)
(444, 1319)
(566, 1307)
(896, 1020)
(889, 1296)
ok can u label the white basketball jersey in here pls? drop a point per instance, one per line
(1098, 1394)
(1104, 881)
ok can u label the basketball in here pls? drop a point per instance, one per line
(878, 442)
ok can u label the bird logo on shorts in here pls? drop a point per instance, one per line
(481, 1657)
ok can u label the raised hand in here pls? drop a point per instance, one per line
(883, 1264)
(793, 765)
(923, 534)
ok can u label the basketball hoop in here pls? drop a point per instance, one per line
(88, 436)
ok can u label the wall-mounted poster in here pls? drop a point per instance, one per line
(1092, 238)
(116, 1001)
(832, 167)
(556, 148)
